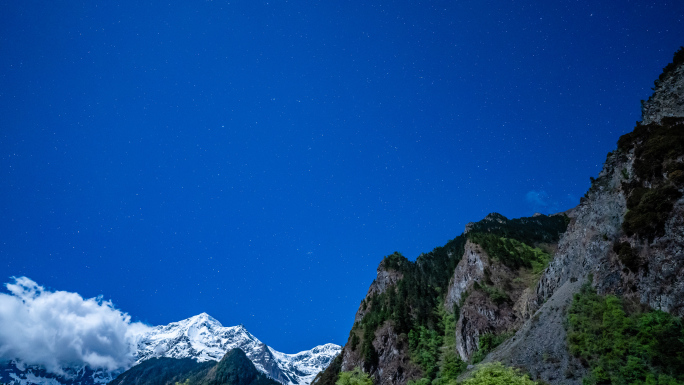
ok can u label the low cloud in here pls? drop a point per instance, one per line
(57, 328)
(541, 202)
(537, 198)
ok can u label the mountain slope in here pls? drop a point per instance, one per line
(234, 368)
(161, 371)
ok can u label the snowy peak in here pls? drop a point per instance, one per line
(307, 364)
(203, 338)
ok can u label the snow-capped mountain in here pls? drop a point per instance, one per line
(202, 338)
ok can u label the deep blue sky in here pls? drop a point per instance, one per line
(256, 160)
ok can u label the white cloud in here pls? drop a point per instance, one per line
(58, 328)
(541, 202)
(537, 197)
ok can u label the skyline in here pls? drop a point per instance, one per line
(255, 161)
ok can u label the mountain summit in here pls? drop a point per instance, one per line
(203, 338)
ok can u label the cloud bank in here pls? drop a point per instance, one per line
(57, 328)
(541, 202)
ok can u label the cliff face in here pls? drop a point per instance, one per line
(473, 288)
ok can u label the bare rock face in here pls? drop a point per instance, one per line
(585, 246)
(469, 270)
(394, 365)
(668, 98)
(661, 285)
(479, 314)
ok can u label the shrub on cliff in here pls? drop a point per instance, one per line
(355, 377)
(622, 347)
(498, 374)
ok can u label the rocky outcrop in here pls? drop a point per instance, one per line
(667, 99)
(586, 245)
(479, 316)
(394, 364)
(469, 270)
(660, 285)
(475, 278)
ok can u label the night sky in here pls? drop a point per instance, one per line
(256, 160)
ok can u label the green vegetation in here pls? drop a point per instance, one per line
(625, 347)
(435, 350)
(355, 377)
(424, 345)
(497, 374)
(411, 303)
(497, 295)
(233, 369)
(511, 252)
(530, 230)
(162, 371)
(657, 150)
(487, 343)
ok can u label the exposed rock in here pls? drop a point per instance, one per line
(478, 313)
(661, 285)
(394, 365)
(479, 316)
(667, 99)
(468, 271)
(585, 246)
